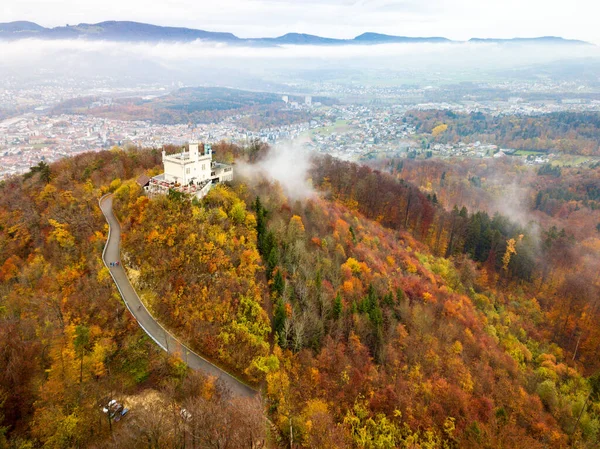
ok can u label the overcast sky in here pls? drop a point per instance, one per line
(456, 19)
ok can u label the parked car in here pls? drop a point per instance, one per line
(115, 410)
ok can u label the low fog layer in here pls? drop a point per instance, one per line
(196, 62)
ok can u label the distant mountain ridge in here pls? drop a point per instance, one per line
(526, 40)
(124, 31)
(386, 38)
(111, 30)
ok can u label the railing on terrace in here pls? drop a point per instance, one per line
(192, 189)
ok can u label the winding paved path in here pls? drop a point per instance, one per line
(154, 330)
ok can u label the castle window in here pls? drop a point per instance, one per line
(187, 171)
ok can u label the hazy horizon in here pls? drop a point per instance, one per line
(199, 62)
(454, 19)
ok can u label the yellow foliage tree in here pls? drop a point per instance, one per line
(439, 130)
(510, 250)
(61, 234)
(295, 228)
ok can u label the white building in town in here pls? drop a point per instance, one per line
(192, 172)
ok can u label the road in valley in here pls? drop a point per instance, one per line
(146, 321)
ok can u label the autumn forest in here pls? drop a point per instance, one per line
(401, 304)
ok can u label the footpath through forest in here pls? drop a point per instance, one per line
(146, 321)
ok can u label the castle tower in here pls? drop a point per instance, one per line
(194, 151)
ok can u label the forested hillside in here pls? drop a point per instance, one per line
(569, 132)
(369, 315)
(197, 265)
(67, 343)
(194, 105)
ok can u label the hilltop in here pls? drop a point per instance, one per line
(370, 314)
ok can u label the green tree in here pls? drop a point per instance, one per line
(337, 306)
(175, 196)
(82, 340)
(593, 395)
(279, 317)
(278, 284)
(43, 169)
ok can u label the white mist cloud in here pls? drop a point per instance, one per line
(388, 55)
(514, 201)
(288, 165)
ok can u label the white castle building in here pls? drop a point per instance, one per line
(190, 172)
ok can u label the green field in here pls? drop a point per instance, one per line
(338, 126)
(573, 160)
(529, 153)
